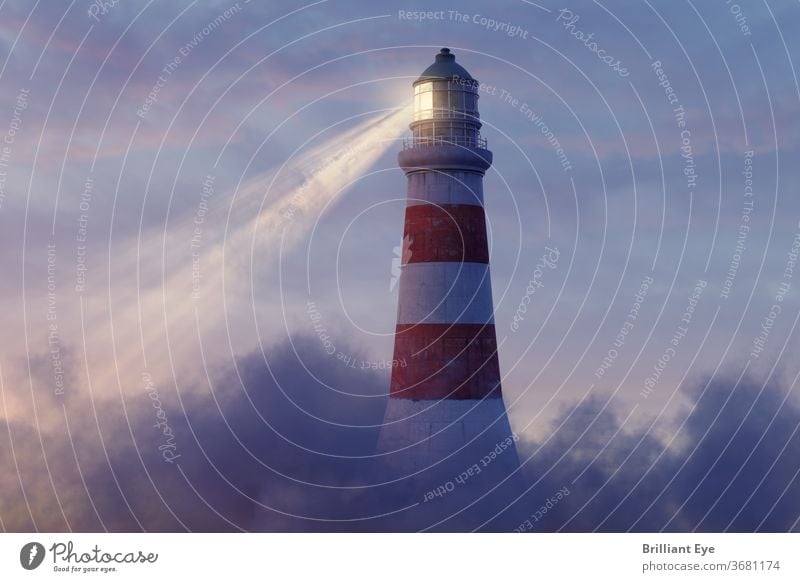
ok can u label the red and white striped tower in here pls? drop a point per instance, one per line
(445, 391)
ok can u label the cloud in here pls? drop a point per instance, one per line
(277, 445)
(271, 448)
(733, 464)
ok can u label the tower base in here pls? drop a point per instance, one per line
(419, 434)
(455, 461)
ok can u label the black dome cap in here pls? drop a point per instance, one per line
(445, 67)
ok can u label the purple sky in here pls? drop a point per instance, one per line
(178, 180)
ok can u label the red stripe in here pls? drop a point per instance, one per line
(446, 233)
(437, 361)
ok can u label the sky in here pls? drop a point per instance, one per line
(183, 183)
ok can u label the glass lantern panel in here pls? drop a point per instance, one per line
(470, 102)
(440, 102)
(423, 103)
(457, 100)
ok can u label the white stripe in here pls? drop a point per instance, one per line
(445, 293)
(445, 188)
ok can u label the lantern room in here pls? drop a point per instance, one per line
(446, 105)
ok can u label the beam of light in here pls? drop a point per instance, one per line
(281, 201)
(139, 316)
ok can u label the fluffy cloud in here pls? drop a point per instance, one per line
(277, 444)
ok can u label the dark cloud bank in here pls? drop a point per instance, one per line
(735, 467)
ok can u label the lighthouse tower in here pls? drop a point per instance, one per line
(445, 404)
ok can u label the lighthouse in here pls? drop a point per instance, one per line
(445, 409)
